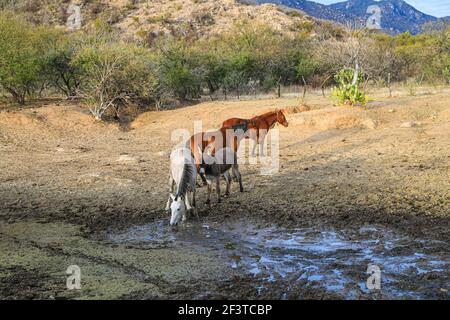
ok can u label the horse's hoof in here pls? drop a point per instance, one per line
(241, 190)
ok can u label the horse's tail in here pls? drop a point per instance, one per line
(195, 149)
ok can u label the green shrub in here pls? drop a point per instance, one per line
(20, 57)
(446, 73)
(411, 86)
(348, 92)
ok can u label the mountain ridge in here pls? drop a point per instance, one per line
(390, 16)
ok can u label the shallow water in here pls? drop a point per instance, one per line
(334, 260)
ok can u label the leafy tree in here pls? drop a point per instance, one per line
(59, 68)
(20, 58)
(306, 67)
(246, 55)
(114, 72)
(240, 68)
(211, 67)
(287, 62)
(179, 71)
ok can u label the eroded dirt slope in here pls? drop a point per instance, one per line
(385, 164)
(65, 178)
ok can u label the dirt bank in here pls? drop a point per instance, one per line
(387, 165)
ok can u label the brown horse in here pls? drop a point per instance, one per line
(258, 126)
(209, 142)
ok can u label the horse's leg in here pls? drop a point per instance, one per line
(186, 202)
(167, 208)
(171, 183)
(202, 176)
(218, 188)
(254, 149)
(261, 139)
(198, 184)
(233, 177)
(188, 208)
(198, 157)
(194, 203)
(237, 173)
(253, 136)
(228, 181)
(201, 170)
(208, 198)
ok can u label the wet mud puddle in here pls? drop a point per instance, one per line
(334, 261)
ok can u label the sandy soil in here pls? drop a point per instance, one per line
(65, 179)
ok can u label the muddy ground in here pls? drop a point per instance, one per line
(67, 181)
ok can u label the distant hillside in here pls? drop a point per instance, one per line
(440, 24)
(206, 18)
(314, 9)
(397, 16)
(151, 19)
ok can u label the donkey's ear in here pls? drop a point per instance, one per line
(172, 197)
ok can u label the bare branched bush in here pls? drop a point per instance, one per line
(114, 72)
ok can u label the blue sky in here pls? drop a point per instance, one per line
(438, 8)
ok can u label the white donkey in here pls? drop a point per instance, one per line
(183, 173)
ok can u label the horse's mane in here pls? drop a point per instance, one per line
(182, 160)
(267, 114)
(188, 172)
(270, 113)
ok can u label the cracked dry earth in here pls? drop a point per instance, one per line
(355, 186)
